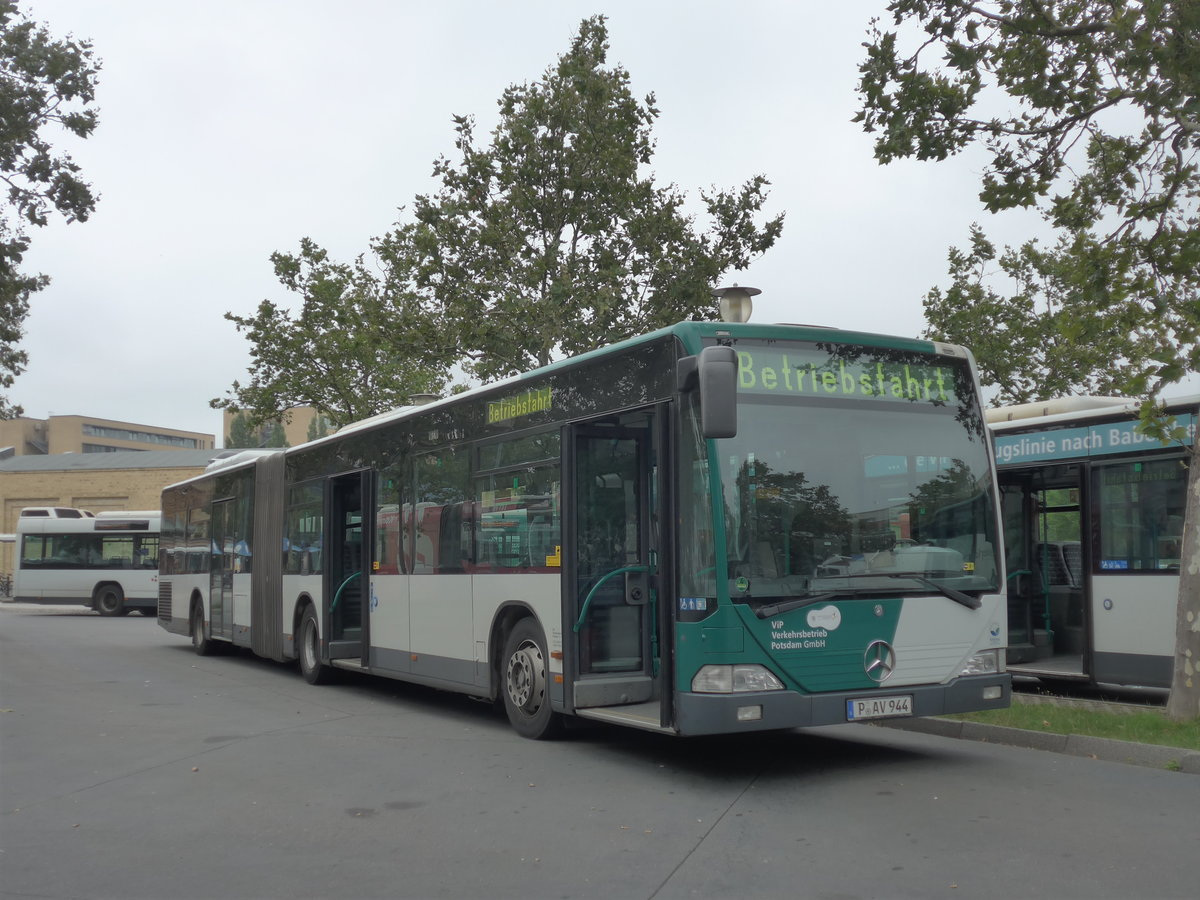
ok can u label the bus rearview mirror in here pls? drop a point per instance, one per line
(717, 368)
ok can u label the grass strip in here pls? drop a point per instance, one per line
(1149, 727)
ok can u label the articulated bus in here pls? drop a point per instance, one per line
(108, 562)
(1093, 524)
(712, 528)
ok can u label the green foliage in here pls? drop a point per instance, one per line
(1101, 134)
(356, 347)
(15, 289)
(1043, 339)
(318, 427)
(243, 434)
(1150, 726)
(551, 240)
(274, 436)
(44, 83)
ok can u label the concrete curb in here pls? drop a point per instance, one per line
(1170, 758)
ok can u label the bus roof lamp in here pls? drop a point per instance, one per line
(735, 302)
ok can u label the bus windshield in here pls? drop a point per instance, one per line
(865, 481)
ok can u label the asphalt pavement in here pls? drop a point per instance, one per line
(1129, 752)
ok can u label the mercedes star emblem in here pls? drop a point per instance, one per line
(879, 661)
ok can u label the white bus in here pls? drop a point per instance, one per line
(108, 562)
(1093, 523)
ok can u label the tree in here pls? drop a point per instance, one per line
(549, 241)
(244, 435)
(1102, 136)
(241, 434)
(552, 239)
(44, 83)
(356, 347)
(318, 427)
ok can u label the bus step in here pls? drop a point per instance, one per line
(1067, 669)
(354, 665)
(642, 715)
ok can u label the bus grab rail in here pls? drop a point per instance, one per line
(338, 595)
(587, 602)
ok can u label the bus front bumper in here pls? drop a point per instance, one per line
(697, 714)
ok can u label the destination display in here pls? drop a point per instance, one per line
(522, 404)
(783, 369)
(1088, 440)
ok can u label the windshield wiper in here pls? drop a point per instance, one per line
(957, 596)
(774, 609)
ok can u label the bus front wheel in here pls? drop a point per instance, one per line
(526, 697)
(311, 667)
(110, 601)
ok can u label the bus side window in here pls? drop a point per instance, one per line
(1141, 515)
(441, 494)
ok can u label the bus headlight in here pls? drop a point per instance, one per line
(734, 680)
(989, 662)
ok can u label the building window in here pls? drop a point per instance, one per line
(143, 437)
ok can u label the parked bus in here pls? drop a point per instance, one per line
(712, 528)
(1093, 523)
(108, 562)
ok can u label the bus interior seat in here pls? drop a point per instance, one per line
(1056, 572)
(1073, 559)
(1063, 586)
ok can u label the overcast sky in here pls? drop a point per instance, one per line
(233, 128)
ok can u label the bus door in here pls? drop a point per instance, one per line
(612, 592)
(1047, 578)
(347, 563)
(220, 591)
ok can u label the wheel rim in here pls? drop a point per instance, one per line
(197, 629)
(108, 601)
(525, 678)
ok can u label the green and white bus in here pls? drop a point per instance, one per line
(712, 528)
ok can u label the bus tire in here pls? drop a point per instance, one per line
(110, 600)
(525, 683)
(201, 642)
(309, 647)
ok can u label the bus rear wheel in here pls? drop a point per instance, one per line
(201, 642)
(311, 667)
(110, 601)
(526, 698)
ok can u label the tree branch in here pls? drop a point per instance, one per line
(1054, 31)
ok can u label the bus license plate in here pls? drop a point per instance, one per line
(879, 707)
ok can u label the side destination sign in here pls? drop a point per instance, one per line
(531, 401)
(1082, 441)
(813, 373)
